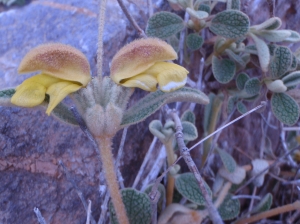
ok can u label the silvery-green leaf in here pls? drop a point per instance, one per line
(188, 187)
(281, 61)
(188, 116)
(155, 128)
(164, 25)
(5, 96)
(291, 79)
(294, 64)
(230, 208)
(251, 49)
(137, 205)
(252, 86)
(262, 52)
(241, 107)
(235, 57)
(294, 37)
(274, 35)
(228, 162)
(233, 4)
(285, 108)
(174, 42)
(241, 80)
(204, 7)
(62, 112)
(230, 24)
(162, 192)
(217, 184)
(272, 48)
(189, 131)
(231, 104)
(270, 24)
(223, 69)
(264, 204)
(276, 86)
(208, 111)
(194, 41)
(153, 101)
(197, 14)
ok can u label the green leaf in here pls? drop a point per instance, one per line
(241, 80)
(285, 108)
(188, 187)
(270, 24)
(252, 86)
(241, 107)
(189, 131)
(251, 49)
(204, 7)
(188, 115)
(228, 161)
(262, 52)
(235, 57)
(197, 14)
(5, 96)
(155, 128)
(153, 101)
(194, 41)
(233, 4)
(230, 208)
(230, 24)
(164, 25)
(291, 79)
(274, 35)
(208, 112)
(276, 86)
(231, 104)
(281, 62)
(174, 42)
(137, 205)
(295, 37)
(264, 204)
(294, 64)
(162, 192)
(62, 112)
(223, 69)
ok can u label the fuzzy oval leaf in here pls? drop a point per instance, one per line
(230, 24)
(189, 131)
(194, 41)
(153, 101)
(274, 35)
(197, 14)
(285, 108)
(231, 104)
(188, 187)
(235, 57)
(62, 112)
(264, 204)
(270, 24)
(262, 52)
(252, 86)
(294, 37)
(241, 107)
(233, 4)
(5, 96)
(228, 162)
(164, 25)
(204, 7)
(281, 61)
(291, 79)
(223, 69)
(230, 208)
(294, 64)
(137, 205)
(241, 80)
(155, 128)
(189, 116)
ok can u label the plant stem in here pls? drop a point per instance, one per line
(270, 213)
(171, 180)
(104, 143)
(101, 22)
(213, 212)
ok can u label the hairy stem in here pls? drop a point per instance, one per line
(171, 181)
(270, 213)
(101, 23)
(105, 149)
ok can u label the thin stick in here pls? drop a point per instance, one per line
(285, 147)
(270, 213)
(102, 218)
(39, 216)
(222, 194)
(89, 212)
(101, 22)
(213, 212)
(131, 19)
(262, 104)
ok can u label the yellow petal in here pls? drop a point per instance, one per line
(146, 82)
(29, 95)
(57, 60)
(44, 80)
(170, 76)
(58, 92)
(139, 55)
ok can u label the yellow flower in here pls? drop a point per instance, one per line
(64, 70)
(142, 64)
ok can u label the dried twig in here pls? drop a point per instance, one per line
(39, 216)
(88, 218)
(131, 19)
(103, 214)
(213, 212)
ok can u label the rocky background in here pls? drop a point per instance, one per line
(32, 144)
